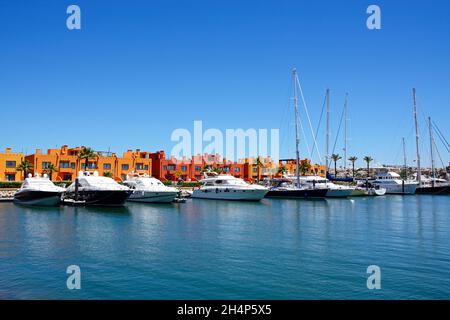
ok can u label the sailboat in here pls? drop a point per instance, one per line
(432, 185)
(293, 188)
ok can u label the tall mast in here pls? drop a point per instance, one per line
(419, 172)
(327, 140)
(345, 132)
(404, 158)
(431, 151)
(297, 137)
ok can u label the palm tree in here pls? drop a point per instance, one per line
(304, 167)
(335, 158)
(368, 159)
(86, 154)
(25, 166)
(50, 169)
(353, 160)
(282, 170)
(108, 174)
(258, 165)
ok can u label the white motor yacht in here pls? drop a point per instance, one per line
(393, 183)
(149, 190)
(227, 187)
(38, 191)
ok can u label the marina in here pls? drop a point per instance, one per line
(211, 249)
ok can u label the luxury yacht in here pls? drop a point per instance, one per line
(150, 190)
(95, 190)
(38, 191)
(317, 182)
(284, 188)
(393, 183)
(227, 187)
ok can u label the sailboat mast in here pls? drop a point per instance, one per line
(327, 140)
(345, 132)
(297, 137)
(419, 172)
(404, 158)
(431, 151)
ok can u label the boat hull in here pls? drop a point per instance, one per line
(339, 193)
(223, 194)
(98, 197)
(38, 198)
(438, 190)
(297, 194)
(399, 189)
(152, 196)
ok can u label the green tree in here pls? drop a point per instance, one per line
(368, 159)
(304, 167)
(108, 174)
(353, 160)
(258, 164)
(282, 170)
(86, 154)
(50, 169)
(335, 158)
(25, 166)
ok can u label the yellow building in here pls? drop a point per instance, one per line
(8, 164)
(314, 169)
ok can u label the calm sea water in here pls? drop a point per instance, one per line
(205, 249)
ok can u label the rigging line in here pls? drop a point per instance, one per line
(339, 129)
(309, 119)
(441, 134)
(320, 120)
(438, 153)
(306, 140)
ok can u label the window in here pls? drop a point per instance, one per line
(164, 168)
(198, 168)
(226, 169)
(10, 176)
(64, 164)
(237, 169)
(125, 167)
(10, 164)
(171, 167)
(91, 165)
(254, 170)
(146, 167)
(45, 164)
(139, 166)
(183, 168)
(107, 166)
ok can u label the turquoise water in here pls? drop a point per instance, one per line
(206, 249)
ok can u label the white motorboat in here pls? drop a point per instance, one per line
(38, 191)
(95, 190)
(227, 187)
(393, 183)
(149, 190)
(317, 182)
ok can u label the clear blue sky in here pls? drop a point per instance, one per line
(139, 69)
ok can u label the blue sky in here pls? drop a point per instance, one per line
(140, 69)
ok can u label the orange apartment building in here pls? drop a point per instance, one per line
(68, 164)
(8, 164)
(290, 165)
(191, 169)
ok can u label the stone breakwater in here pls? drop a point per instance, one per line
(7, 194)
